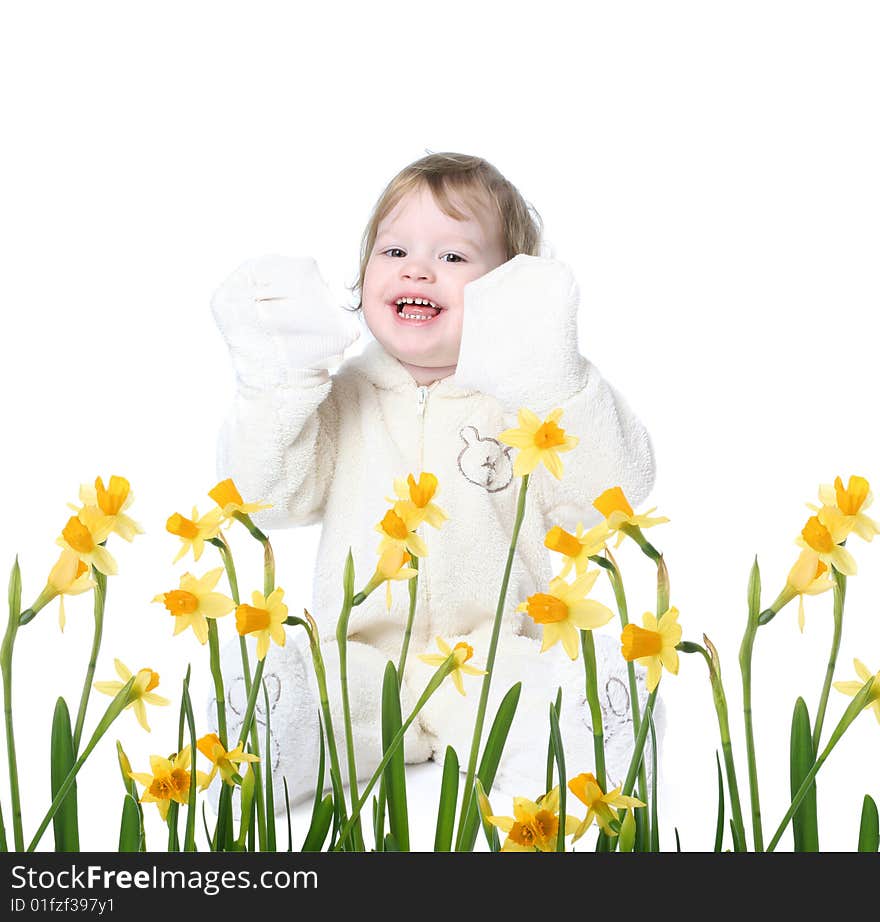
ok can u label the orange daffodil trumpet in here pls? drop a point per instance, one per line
(653, 645)
(397, 529)
(416, 500)
(824, 537)
(539, 442)
(229, 500)
(576, 548)
(534, 826)
(851, 503)
(565, 610)
(112, 501)
(600, 806)
(264, 619)
(221, 760)
(84, 534)
(462, 652)
(853, 688)
(195, 531)
(619, 515)
(170, 780)
(194, 602)
(141, 691)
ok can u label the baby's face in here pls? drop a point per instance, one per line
(422, 252)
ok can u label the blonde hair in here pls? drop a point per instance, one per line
(477, 184)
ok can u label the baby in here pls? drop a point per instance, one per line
(469, 324)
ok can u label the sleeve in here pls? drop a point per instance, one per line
(278, 440)
(527, 309)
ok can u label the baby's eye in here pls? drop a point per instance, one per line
(455, 255)
(392, 249)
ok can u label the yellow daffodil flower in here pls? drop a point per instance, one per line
(578, 548)
(170, 780)
(825, 537)
(600, 807)
(141, 691)
(212, 749)
(84, 533)
(397, 529)
(112, 500)
(264, 619)
(565, 610)
(194, 532)
(68, 576)
(653, 645)
(229, 500)
(534, 826)
(618, 513)
(852, 503)
(852, 688)
(539, 442)
(463, 652)
(194, 601)
(417, 498)
(808, 576)
(392, 566)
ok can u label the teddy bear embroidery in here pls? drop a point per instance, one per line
(484, 461)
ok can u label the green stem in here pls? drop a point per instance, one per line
(413, 585)
(435, 682)
(490, 662)
(6, 665)
(100, 602)
(839, 597)
(861, 700)
(589, 650)
(117, 705)
(217, 675)
(745, 665)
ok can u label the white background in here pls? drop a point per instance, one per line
(709, 170)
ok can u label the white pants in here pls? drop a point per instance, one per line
(447, 719)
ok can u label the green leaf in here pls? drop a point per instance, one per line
(130, 826)
(222, 841)
(558, 706)
(627, 838)
(448, 800)
(4, 846)
(319, 786)
(559, 756)
(869, 829)
(65, 824)
(321, 820)
(247, 803)
(655, 823)
(805, 823)
(270, 794)
(189, 837)
(287, 811)
(390, 841)
(395, 771)
(719, 825)
(489, 761)
(171, 821)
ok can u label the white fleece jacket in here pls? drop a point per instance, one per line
(327, 448)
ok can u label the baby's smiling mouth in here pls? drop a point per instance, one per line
(418, 309)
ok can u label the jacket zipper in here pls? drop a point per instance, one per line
(423, 582)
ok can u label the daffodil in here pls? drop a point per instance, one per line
(539, 442)
(264, 620)
(169, 780)
(68, 576)
(653, 644)
(194, 532)
(462, 652)
(600, 806)
(825, 537)
(84, 533)
(212, 749)
(852, 688)
(565, 610)
(618, 513)
(392, 566)
(229, 500)
(112, 500)
(852, 503)
(141, 691)
(417, 498)
(808, 576)
(576, 548)
(534, 826)
(194, 602)
(397, 529)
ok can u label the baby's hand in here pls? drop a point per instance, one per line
(277, 315)
(519, 334)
